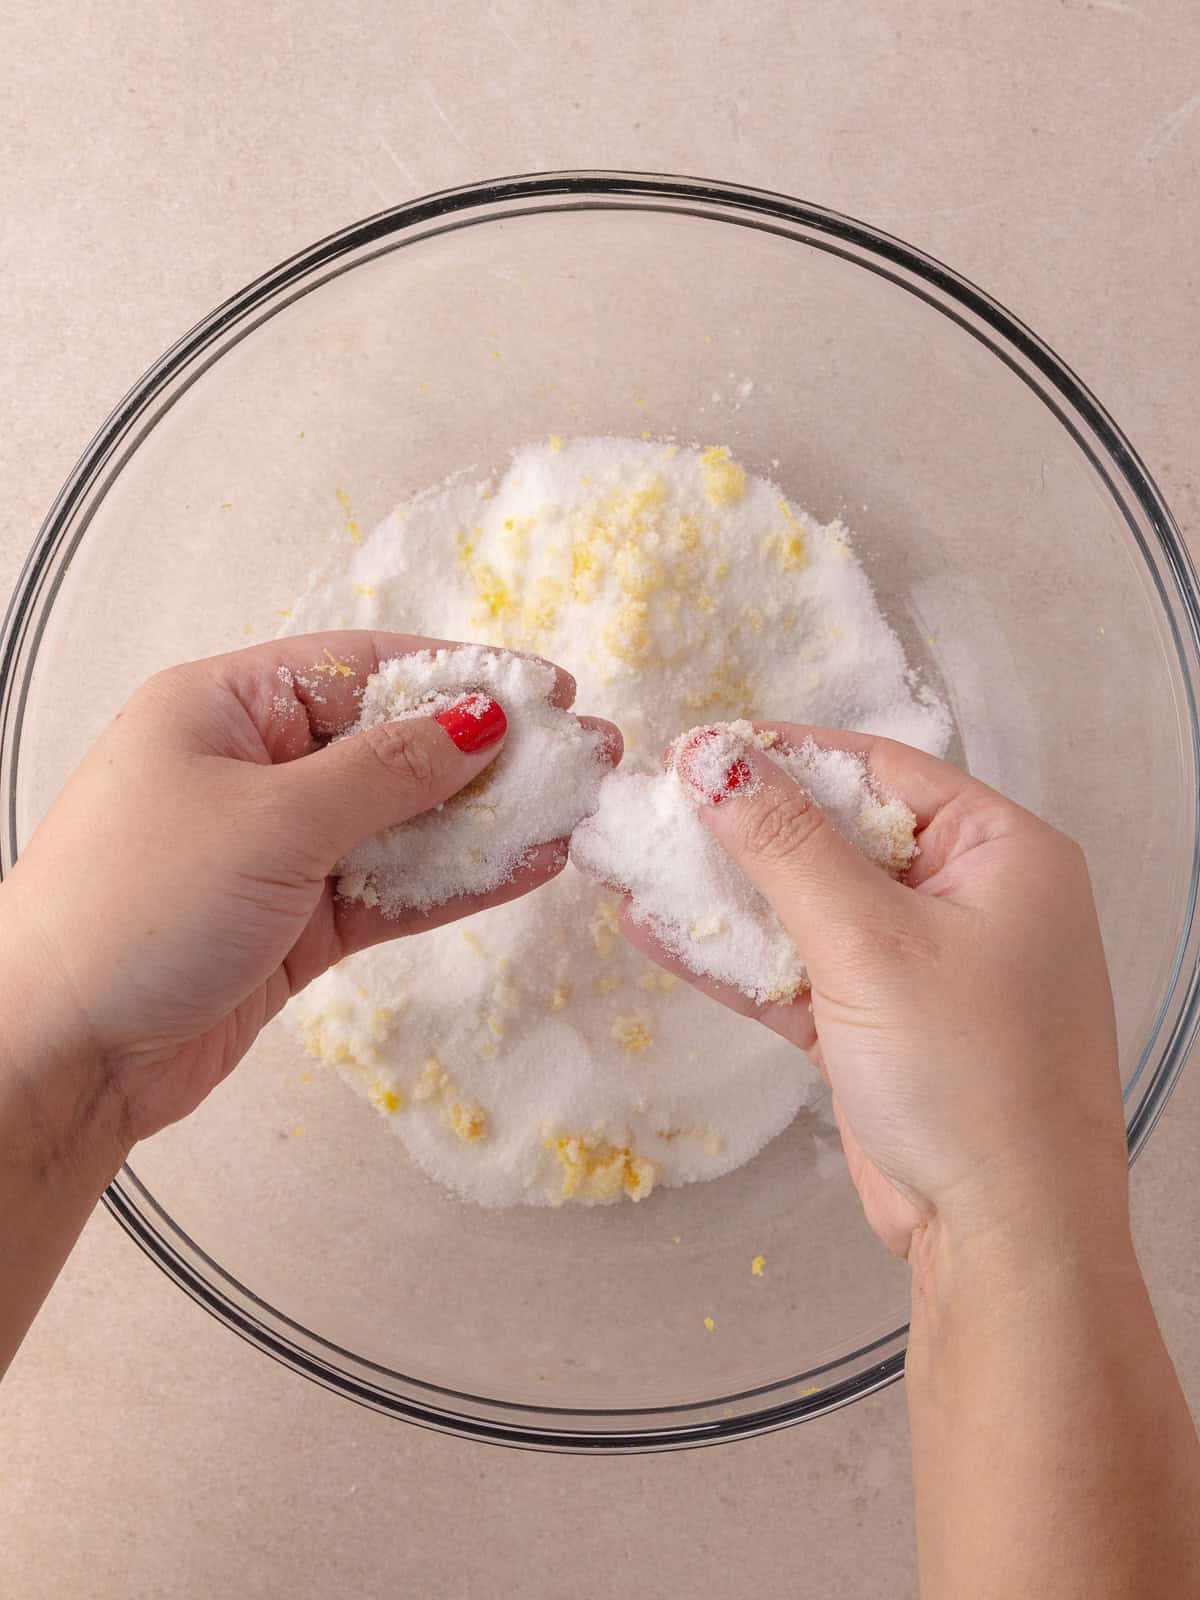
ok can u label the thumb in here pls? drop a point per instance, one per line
(817, 882)
(393, 771)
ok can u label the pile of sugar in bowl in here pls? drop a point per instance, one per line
(529, 1054)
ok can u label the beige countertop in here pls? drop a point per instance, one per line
(155, 159)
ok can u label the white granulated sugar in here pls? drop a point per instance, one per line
(543, 781)
(529, 1053)
(648, 838)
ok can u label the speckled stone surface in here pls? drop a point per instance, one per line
(154, 161)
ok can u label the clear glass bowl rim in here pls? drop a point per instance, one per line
(1146, 515)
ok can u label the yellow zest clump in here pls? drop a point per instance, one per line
(627, 635)
(724, 479)
(433, 1079)
(592, 1168)
(386, 1099)
(494, 595)
(709, 1325)
(632, 1034)
(555, 442)
(585, 569)
(789, 547)
(640, 1177)
(469, 1121)
(757, 1265)
(343, 1035)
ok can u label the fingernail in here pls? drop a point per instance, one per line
(704, 761)
(474, 723)
(737, 777)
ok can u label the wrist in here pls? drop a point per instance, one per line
(1058, 1192)
(59, 1111)
(1042, 1265)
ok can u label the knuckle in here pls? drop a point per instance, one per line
(776, 826)
(402, 756)
(1073, 858)
(162, 687)
(160, 698)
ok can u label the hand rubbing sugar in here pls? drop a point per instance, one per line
(647, 837)
(544, 780)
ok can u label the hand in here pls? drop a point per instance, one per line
(178, 892)
(963, 1017)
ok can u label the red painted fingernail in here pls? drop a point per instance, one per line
(738, 777)
(704, 760)
(474, 723)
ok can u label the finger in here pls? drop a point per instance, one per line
(389, 773)
(954, 811)
(922, 781)
(612, 746)
(302, 690)
(794, 1021)
(360, 926)
(818, 883)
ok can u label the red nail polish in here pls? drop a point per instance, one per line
(474, 723)
(738, 777)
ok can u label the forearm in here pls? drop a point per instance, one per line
(60, 1138)
(1053, 1452)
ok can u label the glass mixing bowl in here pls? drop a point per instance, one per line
(1015, 540)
